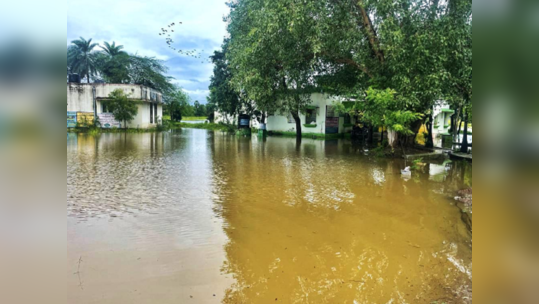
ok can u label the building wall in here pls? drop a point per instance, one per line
(142, 120)
(279, 122)
(80, 99)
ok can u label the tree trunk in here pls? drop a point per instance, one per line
(465, 145)
(370, 140)
(392, 138)
(456, 126)
(297, 119)
(430, 140)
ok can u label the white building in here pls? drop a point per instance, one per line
(86, 101)
(442, 115)
(320, 118)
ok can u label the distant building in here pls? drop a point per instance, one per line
(319, 118)
(87, 101)
(442, 115)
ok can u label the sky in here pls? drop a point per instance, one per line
(136, 25)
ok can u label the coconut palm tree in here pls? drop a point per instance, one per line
(81, 58)
(113, 49)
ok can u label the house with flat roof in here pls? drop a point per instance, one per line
(86, 102)
(320, 117)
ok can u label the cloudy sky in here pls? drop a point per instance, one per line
(136, 25)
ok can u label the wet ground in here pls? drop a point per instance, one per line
(197, 217)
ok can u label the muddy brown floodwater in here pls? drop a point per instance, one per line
(199, 217)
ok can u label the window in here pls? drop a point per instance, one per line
(310, 117)
(105, 107)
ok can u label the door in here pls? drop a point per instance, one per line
(332, 121)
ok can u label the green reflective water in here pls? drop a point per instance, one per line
(198, 217)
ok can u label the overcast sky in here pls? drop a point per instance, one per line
(136, 25)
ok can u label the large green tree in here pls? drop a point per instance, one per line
(151, 72)
(82, 58)
(223, 96)
(458, 88)
(178, 105)
(114, 63)
(284, 49)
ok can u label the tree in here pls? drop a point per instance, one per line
(459, 85)
(199, 109)
(223, 96)
(150, 72)
(82, 59)
(113, 50)
(178, 105)
(122, 107)
(271, 51)
(283, 50)
(114, 63)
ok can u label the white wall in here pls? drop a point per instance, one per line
(80, 99)
(279, 121)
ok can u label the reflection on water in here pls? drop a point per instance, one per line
(216, 218)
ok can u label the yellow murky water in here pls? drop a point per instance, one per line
(197, 217)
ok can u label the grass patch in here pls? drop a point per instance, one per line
(202, 118)
(205, 126)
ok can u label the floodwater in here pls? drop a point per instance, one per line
(199, 217)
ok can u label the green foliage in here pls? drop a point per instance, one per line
(199, 109)
(208, 126)
(177, 105)
(310, 125)
(382, 108)
(417, 164)
(194, 118)
(150, 72)
(164, 126)
(114, 65)
(282, 51)
(223, 97)
(82, 59)
(122, 107)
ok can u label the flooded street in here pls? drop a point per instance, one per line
(200, 217)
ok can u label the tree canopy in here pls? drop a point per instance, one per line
(122, 107)
(283, 50)
(82, 59)
(113, 65)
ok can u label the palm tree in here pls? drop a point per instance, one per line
(82, 58)
(113, 49)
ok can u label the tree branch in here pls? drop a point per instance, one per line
(370, 31)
